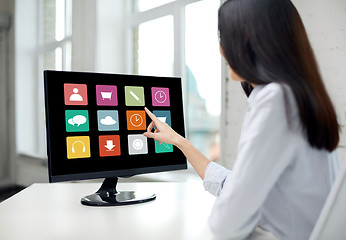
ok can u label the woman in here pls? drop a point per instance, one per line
(280, 179)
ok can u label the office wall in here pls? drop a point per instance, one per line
(326, 26)
(325, 22)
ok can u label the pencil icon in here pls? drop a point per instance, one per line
(135, 96)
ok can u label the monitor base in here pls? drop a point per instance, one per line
(107, 195)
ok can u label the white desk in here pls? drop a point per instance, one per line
(54, 211)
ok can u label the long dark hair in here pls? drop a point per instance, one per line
(265, 41)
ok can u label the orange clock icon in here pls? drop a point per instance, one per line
(135, 120)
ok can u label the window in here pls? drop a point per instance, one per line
(179, 38)
(43, 41)
(55, 34)
(155, 34)
(55, 50)
(143, 5)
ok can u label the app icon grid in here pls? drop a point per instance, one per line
(108, 119)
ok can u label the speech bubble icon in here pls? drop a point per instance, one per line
(70, 121)
(78, 119)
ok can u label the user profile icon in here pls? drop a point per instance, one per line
(75, 94)
(138, 144)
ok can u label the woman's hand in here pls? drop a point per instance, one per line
(163, 132)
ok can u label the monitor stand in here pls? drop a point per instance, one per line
(107, 195)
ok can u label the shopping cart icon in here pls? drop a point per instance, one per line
(106, 95)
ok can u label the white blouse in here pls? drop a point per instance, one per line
(279, 182)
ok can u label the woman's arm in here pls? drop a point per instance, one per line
(164, 133)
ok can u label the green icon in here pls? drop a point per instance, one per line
(77, 120)
(163, 147)
(134, 96)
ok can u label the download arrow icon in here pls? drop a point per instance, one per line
(110, 146)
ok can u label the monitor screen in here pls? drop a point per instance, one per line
(96, 121)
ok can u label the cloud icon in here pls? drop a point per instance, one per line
(78, 119)
(108, 121)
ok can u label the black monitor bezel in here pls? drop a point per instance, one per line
(101, 174)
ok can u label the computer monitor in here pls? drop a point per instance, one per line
(95, 125)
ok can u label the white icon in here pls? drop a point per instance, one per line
(75, 97)
(160, 96)
(162, 119)
(137, 144)
(108, 120)
(106, 95)
(166, 145)
(78, 119)
(110, 146)
(135, 96)
(136, 120)
(73, 150)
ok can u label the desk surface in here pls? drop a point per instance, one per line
(54, 211)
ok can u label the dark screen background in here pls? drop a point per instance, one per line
(61, 168)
